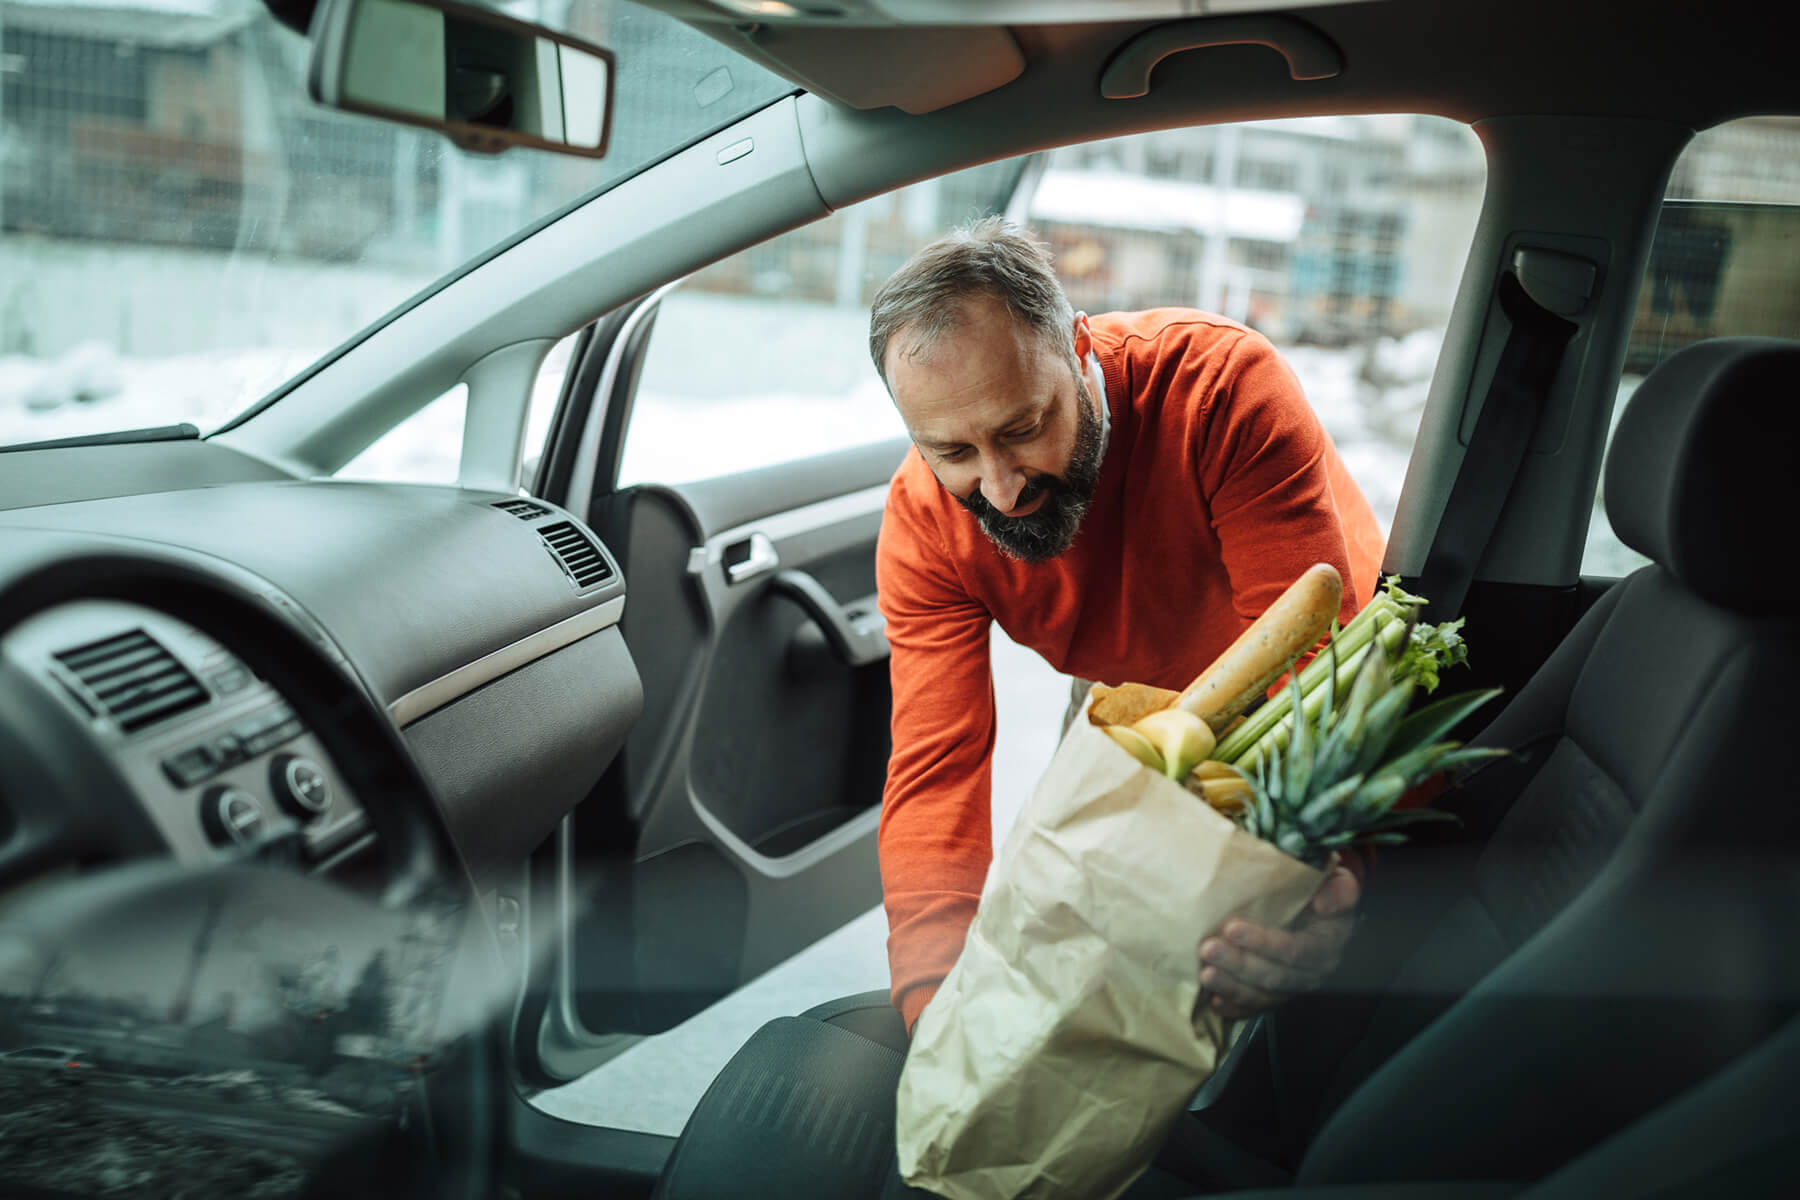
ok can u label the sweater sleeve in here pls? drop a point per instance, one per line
(1264, 466)
(936, 835)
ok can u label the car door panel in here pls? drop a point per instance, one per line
(752, 784)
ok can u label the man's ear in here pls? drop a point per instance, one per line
(1084, 338)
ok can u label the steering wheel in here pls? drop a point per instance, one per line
(119, 907)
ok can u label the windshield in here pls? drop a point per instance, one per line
(182, 228)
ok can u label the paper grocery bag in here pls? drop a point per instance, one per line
(1069, 1036)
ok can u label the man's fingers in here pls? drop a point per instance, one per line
(1315, 948)
(1338, 894)
(1233, 997)
(1249, 968)
(1235, 964)
(1232, 1011)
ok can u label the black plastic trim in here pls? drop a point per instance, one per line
(549, 1158)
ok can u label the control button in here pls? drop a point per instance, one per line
(228, 748)
(300, 786)
(263, 733)
(231, 679)
(188, 767)
(231, 816)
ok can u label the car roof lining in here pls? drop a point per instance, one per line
(1468, 61)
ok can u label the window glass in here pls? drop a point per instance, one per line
(1341, 239)
(182, 228)
(424, 448)
(1725, 262)
(546, 390)
(763, 358)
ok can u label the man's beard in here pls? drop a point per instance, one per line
(1050, 530)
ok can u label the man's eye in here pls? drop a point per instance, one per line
(1020, 435)
(956, 455)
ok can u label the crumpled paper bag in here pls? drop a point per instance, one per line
(1069, 1036)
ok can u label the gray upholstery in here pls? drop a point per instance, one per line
(1702, 471)
(1625, 931)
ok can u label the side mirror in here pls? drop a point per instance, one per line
(484, 80)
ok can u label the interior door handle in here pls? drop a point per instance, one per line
(857, 640)
(753, 556)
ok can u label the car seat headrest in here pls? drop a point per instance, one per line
(1704, 468)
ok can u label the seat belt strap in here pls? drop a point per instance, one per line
(1496, 450)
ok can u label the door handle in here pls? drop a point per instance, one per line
(857, 642)
(753, 556)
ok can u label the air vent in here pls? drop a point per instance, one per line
(525, 510)
(135, 679)
(578, 556)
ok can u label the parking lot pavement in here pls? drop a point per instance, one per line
(655, 1084)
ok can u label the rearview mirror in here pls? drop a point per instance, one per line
(486, 81)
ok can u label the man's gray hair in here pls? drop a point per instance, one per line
(990, 257)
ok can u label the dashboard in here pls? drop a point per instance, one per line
(217, 759)
(484, 624)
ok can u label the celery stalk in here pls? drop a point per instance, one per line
(1380, 612)
(1389, 637)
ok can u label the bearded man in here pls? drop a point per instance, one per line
(1122, 493)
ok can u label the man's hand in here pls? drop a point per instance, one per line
(1248, 968)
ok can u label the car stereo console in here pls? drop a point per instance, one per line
(221, 763)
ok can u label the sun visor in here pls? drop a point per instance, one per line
(917, 69)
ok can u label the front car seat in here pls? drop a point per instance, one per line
(1628, 928)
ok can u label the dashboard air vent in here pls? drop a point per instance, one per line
(135, 679)
(578, 556)
(525, 510)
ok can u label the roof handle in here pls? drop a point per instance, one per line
(1309, 53)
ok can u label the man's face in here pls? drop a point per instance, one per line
(1006, 423)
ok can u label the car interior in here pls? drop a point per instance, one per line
(633, 735)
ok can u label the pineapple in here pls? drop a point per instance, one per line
(1336, 781)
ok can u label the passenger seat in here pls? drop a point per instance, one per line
(1628, 929)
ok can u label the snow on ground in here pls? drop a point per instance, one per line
(92, 389)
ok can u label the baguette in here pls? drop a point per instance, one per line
(1287, 629)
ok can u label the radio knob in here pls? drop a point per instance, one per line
(231, 816)
(300, 786)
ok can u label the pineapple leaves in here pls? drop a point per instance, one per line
(1437, 718)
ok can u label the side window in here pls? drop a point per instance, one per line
(427, 446)
(1725, 262)
(1341, 239)
(763, 358)
(546, 390)
(424, 448)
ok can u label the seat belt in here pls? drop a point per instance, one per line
(1503, 432)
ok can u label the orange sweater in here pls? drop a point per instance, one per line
(1217, 489)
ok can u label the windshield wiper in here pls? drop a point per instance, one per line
(159, 433)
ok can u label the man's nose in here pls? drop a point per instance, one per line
(1001, 483)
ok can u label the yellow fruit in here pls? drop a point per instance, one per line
(1136, 744)
(1225, 795)
(1181, 739)
(1212, 768)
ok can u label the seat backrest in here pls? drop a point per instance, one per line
(1624, 931)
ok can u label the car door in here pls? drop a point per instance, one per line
(730, 441)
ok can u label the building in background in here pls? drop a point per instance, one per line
(1325, 230)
